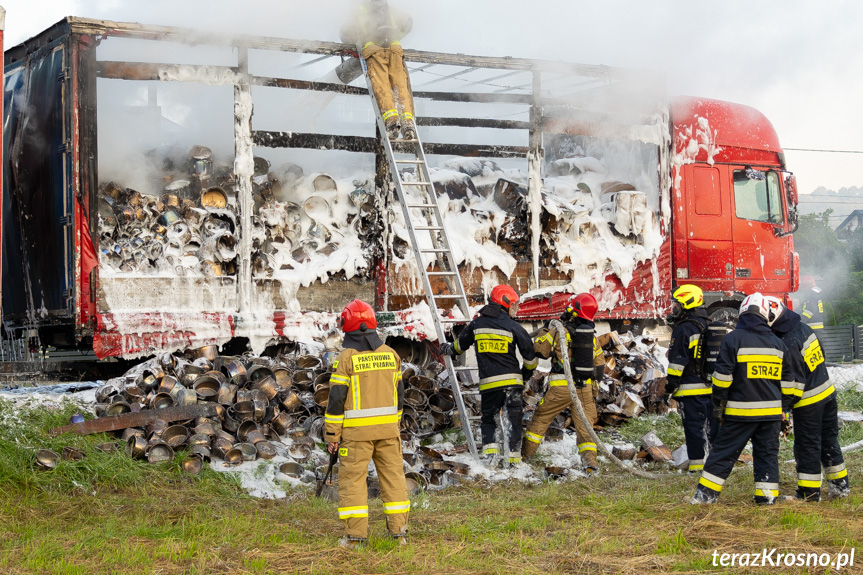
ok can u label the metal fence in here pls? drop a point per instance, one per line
(841, 342)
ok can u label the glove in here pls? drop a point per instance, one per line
(446, 348)
(666, 398)
(786, 424)
(526, 374)
(719, 412)
(671, 385)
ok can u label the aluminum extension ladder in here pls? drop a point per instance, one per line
(429, 222)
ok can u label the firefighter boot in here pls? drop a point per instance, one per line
(839, 487)
(588, 458)
(704, 495)
(490, 453)
(400, 538)
(393, 128)
(352, 542)
(529, 447)
(409, 130)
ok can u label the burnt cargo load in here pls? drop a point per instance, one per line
(165, 189)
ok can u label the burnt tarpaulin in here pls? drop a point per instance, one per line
(36, 189)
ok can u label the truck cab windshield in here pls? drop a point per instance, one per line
(757, 196)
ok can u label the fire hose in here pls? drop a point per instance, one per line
(588, 425)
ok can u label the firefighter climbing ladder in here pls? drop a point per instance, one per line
(423, 201)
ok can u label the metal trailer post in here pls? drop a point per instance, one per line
(2, 91)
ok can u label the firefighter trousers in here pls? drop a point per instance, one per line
(816, 444)
(730, 441)
(510, 399)
(699, 427)
(389, 81)
(354, 459)
(556, 399)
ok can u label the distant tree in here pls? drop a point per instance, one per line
(822, 255)
(821, 252)
(845, 305)
(854, 247)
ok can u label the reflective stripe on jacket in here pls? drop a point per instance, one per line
(366, 394)
(683, 355)
(496, 337)
(754, 378)
(813, 382)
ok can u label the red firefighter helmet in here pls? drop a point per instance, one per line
(503, 295)
(358, 315)
(807, 282)
(583, 305)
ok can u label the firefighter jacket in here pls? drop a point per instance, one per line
(583, 353)
(807, 358)
(366, 395)
(382, 26)
(683, 355)
(753, 379)
(813, 309)
(497, 336)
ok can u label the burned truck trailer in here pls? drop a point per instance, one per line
(157, 192)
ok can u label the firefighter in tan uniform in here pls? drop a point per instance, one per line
(376, 29)
(585, 358)
(362, 422)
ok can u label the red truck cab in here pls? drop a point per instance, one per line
(734, 205)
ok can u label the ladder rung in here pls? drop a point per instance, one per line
(410, 162)
(462, 368)
(442, 273)
(474, 417)
(422, 205)
(428, 228)
(448, 320)
(416, 183)
(447, 296)
(435, 251)
(404, 141)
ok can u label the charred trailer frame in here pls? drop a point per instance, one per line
(50, 196)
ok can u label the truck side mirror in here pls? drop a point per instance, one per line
(791, 196)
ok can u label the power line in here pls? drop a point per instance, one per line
(825, 151)
(847, 200)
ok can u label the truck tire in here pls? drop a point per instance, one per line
(727, 315)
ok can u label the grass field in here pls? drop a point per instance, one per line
(109, 514)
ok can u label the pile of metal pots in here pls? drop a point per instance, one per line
(289, 232)
(190, 229)
(258, 401)
(263, 406)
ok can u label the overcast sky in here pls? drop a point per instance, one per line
(799, 62)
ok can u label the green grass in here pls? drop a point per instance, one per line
(668, 428)
(850, 400)
(134, 518)
(26, 431)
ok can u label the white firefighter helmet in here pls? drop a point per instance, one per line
(768, 307)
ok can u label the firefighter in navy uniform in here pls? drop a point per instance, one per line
(685, 383)
(501, 381)
(813, 308)
(816, 421)
(362, 422)
(584, 350)
(753, 385)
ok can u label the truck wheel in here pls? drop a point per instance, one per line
(727, 315)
